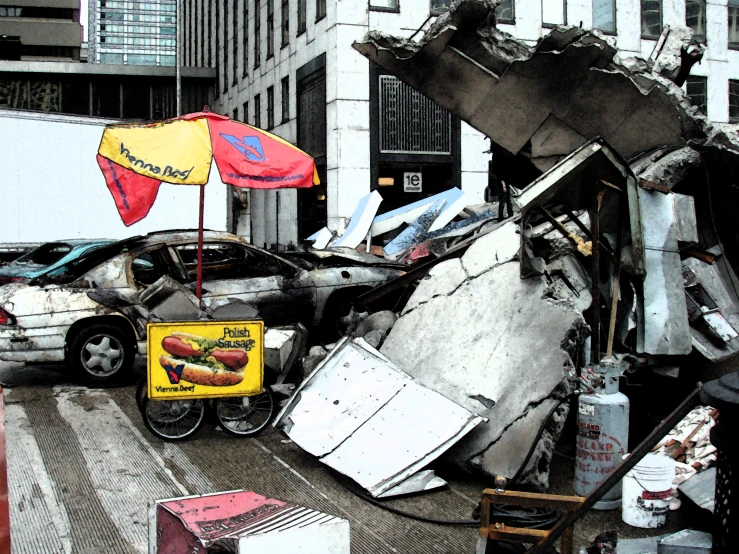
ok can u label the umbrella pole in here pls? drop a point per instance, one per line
(200, 247)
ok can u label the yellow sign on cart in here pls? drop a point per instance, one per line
(205, 359)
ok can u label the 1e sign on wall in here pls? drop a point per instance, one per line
(412, 182)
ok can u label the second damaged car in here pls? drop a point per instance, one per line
(90, 313)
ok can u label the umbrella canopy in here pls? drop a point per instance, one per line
(136, 159)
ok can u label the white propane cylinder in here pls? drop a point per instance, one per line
(602, 440)
(647, 490)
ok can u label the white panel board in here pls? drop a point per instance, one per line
(52, 187)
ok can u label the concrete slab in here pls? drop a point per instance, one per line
(491, 344)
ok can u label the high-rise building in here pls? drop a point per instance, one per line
(132, 32)
(40, 30)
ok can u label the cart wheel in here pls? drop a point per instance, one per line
(173, 420)
(245, 415)
(141, 393)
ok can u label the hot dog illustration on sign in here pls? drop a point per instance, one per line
(204, 361)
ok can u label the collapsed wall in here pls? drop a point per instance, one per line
(493, 343)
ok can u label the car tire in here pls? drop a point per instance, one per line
(102, 354)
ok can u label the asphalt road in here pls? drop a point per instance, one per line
(83, 471)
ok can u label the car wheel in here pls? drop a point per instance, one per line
(101, 354)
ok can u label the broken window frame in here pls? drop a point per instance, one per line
(302, 17)
(390, 6)
(608, 30)
(733, 101)
(270, 108)
(270, 28)
(285, 98)
(733, 24)
(698, 97)
(320, 10)
(438, 7)
(551, 24)
(696, 21)
(649, 7)
(506, 12)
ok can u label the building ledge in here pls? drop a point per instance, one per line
(74, 68)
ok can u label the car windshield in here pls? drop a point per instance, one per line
(74, 269)
(46, 254)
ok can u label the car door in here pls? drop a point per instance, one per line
(281, 292)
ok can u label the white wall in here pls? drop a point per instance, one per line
(52, 188)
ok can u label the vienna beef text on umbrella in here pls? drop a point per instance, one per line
(136, 159)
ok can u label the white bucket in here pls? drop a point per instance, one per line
(647, 490)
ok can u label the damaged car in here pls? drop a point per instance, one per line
(90, 314)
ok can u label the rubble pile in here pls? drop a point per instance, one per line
(616, 252)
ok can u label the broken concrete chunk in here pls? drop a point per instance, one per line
(441, 280)
(480, 340)
(278, 345)
(165, 286)
(321, 238)
(687, 541)
(177, 307)
(317, 351)
(232, 309)
(670, 169)
(495, 248)
(380, 321)
(367, 419)
(375, 338)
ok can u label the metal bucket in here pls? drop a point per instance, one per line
(647, 490)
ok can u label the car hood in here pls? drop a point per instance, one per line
(21, 300)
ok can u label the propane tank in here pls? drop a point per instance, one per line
(602, 434)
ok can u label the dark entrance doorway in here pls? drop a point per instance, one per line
(415, 150)
(311, 104)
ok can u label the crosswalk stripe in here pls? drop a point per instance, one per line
(38, 520)
(127, 472)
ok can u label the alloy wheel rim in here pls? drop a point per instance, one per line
(102, 355)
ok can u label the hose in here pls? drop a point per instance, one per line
(531, 518)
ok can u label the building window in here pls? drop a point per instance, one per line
(440, 6)
(696, 89)
(320, 9)
(257, 34)
(734, 24)
(285, 23)
(210, 33)
(411, 123)
(257, 111)
(270, 28)
(302, 16)
(553, 13)
(733, 101)
(388, 5)
(235, 34)
(270, 108)
(695, 18)
(651, 19)
(245, 45)
(505, 12)
(285, 99)
(245, 108)
(604, 16)
(236, 114)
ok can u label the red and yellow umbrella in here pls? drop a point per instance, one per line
(136, 159)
